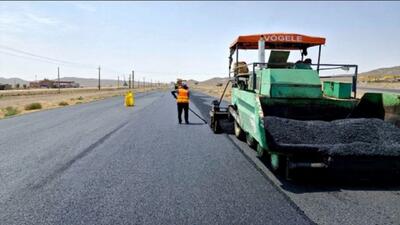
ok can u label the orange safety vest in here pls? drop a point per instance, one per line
(183, 96)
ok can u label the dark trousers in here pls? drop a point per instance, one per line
(185, 107)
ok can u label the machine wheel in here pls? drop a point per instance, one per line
(216, 127)
(260, 151)
(230, 117)
(238, 131)
(251, 141)
(262, 154)
(212, 122)
(278, 164)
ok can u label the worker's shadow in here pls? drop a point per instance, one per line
(189, 124)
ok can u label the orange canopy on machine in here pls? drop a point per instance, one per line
(277, 41)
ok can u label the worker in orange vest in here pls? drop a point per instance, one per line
(182, 99)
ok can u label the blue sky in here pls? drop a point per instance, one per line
(165, 40)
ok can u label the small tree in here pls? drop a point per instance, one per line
(24, 85)
(17, 86)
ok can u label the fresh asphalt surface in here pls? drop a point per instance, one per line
(325, 198)
(103, 163)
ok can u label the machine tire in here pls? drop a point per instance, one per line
(261, 153)
(278, 164)
(238, 131)
(212, 122)
(251, 141)
(216, 127)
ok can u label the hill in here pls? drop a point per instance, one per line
(13, 81)
(390, 74)
(192, 82)
(214, 81)
(382, 72)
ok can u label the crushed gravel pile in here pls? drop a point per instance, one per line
(340, 137)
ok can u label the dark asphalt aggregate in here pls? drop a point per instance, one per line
(344, 137)
(102, 163)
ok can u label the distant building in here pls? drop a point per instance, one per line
(34, 84)
(53, 84)
(65, 84)
(5, 86)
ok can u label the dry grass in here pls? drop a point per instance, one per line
(63, 103)
(50, 98)
(42, 91)
(33, 106)
(380, 78)
(10, 111)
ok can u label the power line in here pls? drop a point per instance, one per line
(44, 57)
(31, 56)
(26, 57)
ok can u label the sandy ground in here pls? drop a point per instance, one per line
(50, 98)
(391, 85)
(214, 91)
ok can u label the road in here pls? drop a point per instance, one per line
(103, 163)
(329, 200)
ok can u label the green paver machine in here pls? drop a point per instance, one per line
(295, 91)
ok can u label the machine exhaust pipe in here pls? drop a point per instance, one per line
(261, 51)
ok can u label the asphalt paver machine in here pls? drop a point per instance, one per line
(296, 117)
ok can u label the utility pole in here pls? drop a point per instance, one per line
(99, 78)
(129, 81)
(58, 76)
(118, 83)
(133, 79)
(144, 83)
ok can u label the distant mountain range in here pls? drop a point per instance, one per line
(13, 81)
(91, 82)
(383, 72)
(83, 82)
(215, 80)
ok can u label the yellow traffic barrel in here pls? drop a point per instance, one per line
(129, 99)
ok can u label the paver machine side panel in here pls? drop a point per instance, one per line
(249, 114)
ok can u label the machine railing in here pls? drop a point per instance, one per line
(319, 68)
(345, 67)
